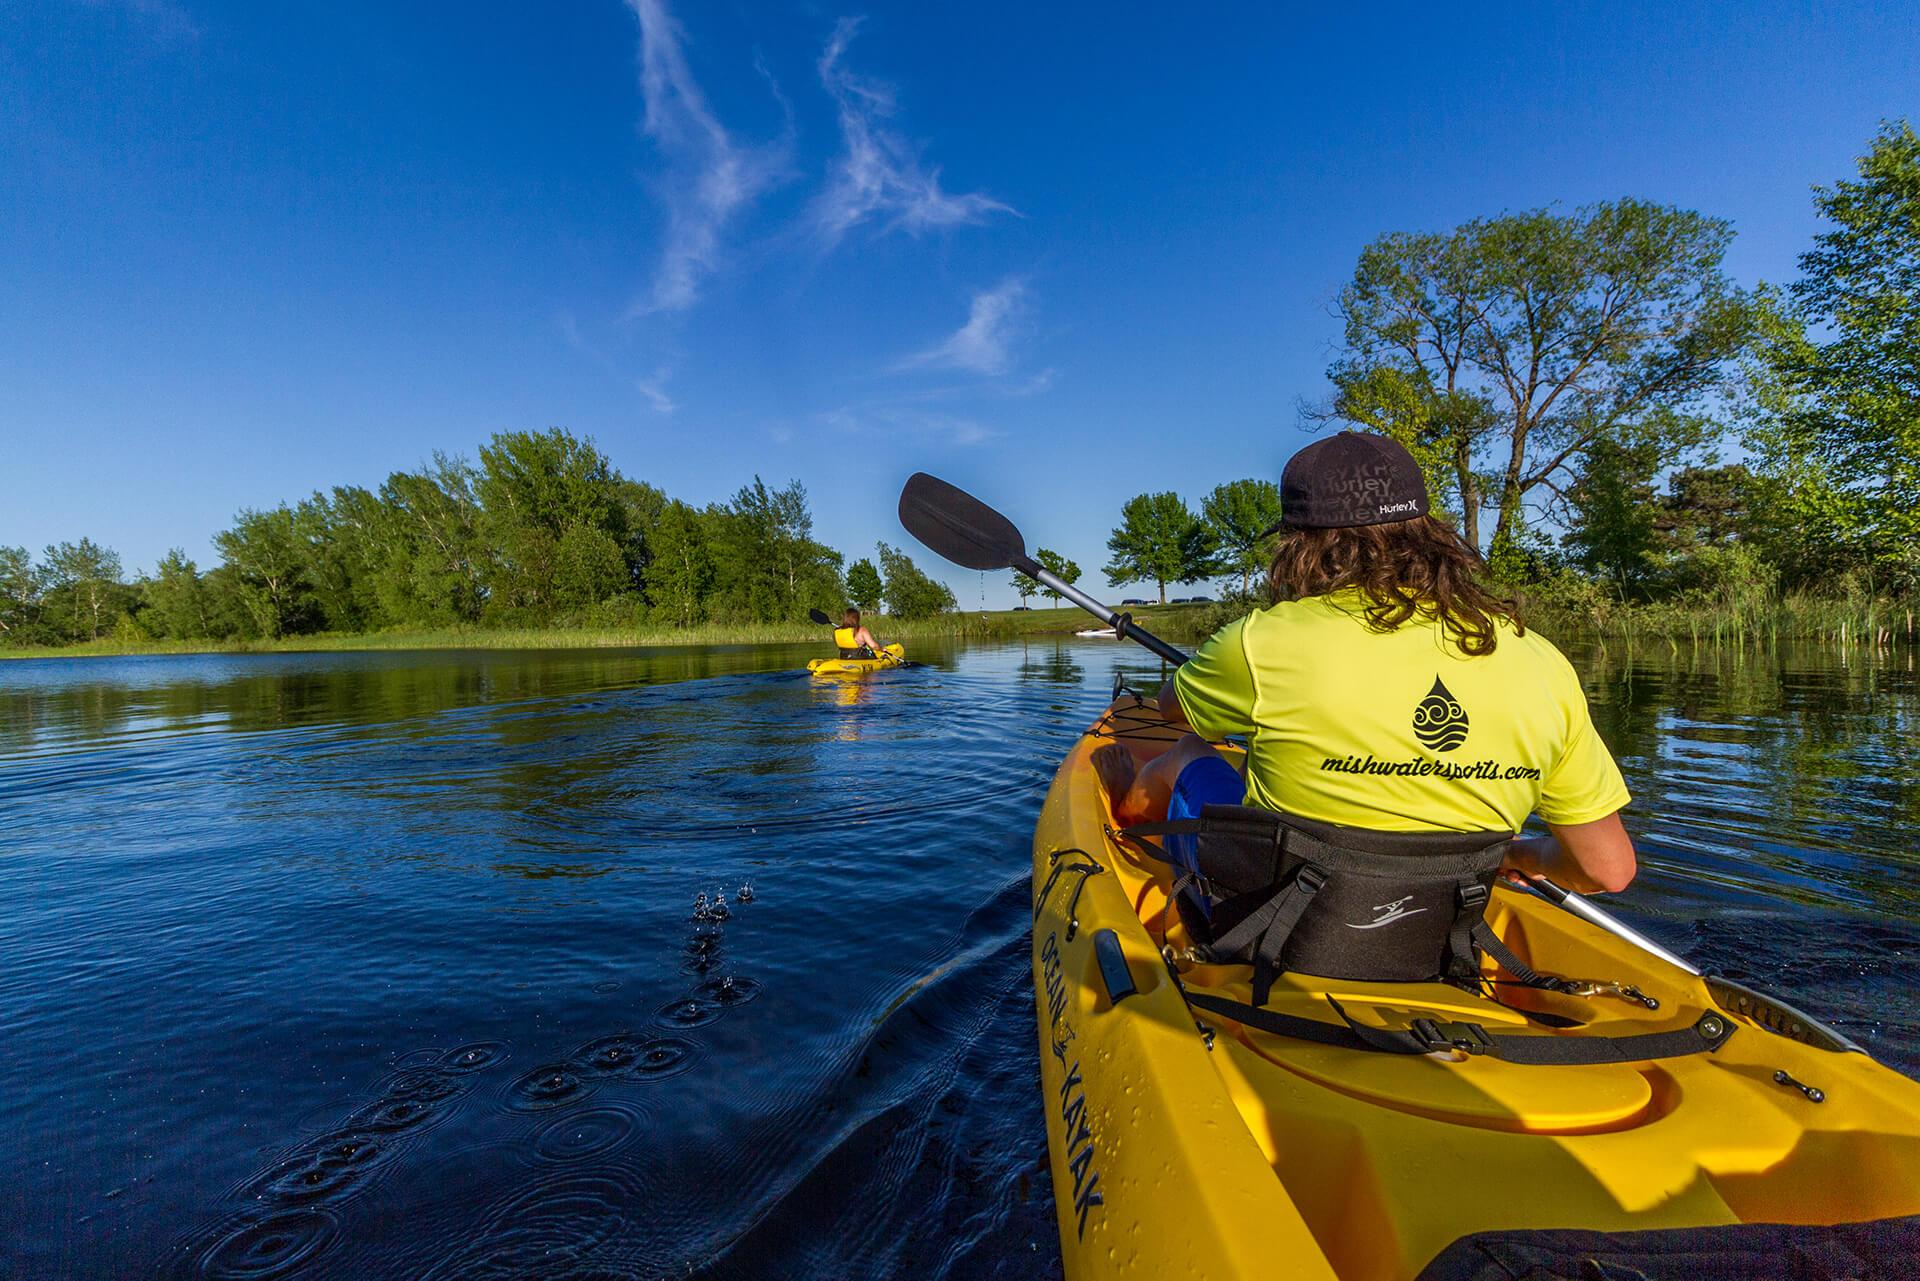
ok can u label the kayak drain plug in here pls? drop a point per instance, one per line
(1813, 1092)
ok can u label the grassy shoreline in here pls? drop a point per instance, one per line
(991, 625)
(1863, 622)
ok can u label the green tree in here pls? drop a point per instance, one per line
(432, 560)
(1025, 586)
(767, 564)
(1611, 533)
(1706, 507)
(864, 587)
(265, 551)
(534, 489)
(908, 592)
(83, 588)
(178, 603)
(1161, 541)
(679, 573)
(340, 539)
(589, 567)
(20, 599)
(1517, 342)
(1241, 515)
(1060, 567)
(1854, 410)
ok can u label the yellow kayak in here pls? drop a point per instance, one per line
(1188, 1144)
(891, 656)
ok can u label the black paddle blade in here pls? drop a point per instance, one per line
(956, 525)
(819, 618)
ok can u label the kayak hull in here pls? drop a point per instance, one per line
(1224, 1152)
(891, 656)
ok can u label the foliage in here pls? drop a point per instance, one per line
(1054, 563)
(1240, 516)
(1502, 350)
(1612, 530)
(1844, 416)
(1159, 540)
(908, 592)
(1060, 567)
(863, 584)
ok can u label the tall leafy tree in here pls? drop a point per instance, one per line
(268, 559)
(83, 582)
(19, 597)
(179, 605)
(1612, 531)
(535, 489)
(1063, 569)
(679, 573)
(433, 557)
(908, 592)
(1240, 515)
(1517, 342)
(1025, 586)
(1159, 540)
(1855, 387)
(864, 586)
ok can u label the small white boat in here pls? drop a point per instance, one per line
(1097, 631)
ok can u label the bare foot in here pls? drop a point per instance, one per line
(1114, 764)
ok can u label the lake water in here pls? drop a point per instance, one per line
(387, 965)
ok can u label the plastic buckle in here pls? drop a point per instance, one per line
(1468, 1038)
(1473, 895)
(1310, 878)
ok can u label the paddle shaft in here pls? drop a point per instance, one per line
(1584, 909)
(1122, 626)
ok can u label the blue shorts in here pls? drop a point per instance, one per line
(1207, 781)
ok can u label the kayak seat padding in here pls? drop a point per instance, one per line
(1881, 1249)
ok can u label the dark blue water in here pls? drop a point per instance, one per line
(387, 965)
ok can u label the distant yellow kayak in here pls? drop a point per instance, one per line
(1192, 1142)
(891, 656)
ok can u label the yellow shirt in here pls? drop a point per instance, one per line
(1398, 731)
(844, 638)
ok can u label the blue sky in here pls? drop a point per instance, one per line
(1058, 254)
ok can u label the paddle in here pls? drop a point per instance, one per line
(959, 527)
(1584, 908)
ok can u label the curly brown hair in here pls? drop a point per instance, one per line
(1405, 568)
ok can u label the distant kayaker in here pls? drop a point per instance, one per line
(1389, 689)
(854, 640)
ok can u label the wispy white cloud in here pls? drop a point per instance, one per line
(880, 175)
(655, 390)
(896, 420)
(995, 320)
(710, 177)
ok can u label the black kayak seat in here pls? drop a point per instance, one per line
(1881, 1250)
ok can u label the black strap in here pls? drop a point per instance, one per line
(1424, 1036)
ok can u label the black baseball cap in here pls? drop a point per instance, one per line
(1355, 478)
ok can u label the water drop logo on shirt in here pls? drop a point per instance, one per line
(1439, 722)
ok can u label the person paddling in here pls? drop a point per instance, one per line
(1388, 690)
(854, 640)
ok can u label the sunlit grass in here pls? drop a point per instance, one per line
(966, 625)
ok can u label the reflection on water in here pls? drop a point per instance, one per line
(629, 964)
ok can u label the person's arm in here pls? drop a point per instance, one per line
(1170, 705)
(1587, 858)
(865, 637)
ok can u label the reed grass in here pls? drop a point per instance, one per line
(974, 625)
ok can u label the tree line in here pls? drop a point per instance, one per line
(1597, 406)
(542, 530)
(1626, 419)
